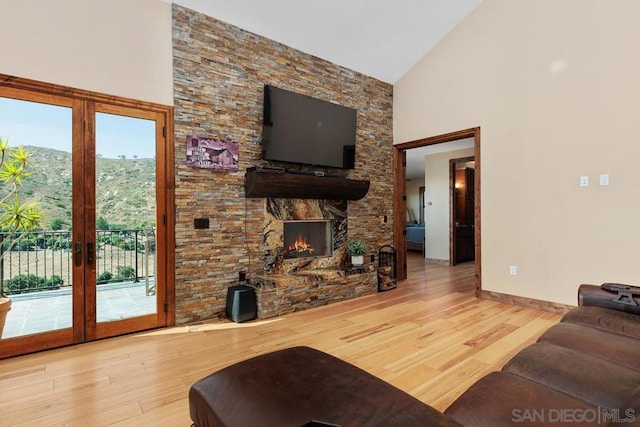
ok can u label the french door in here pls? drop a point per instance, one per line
(99, 264)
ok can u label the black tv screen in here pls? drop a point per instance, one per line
(301, 129)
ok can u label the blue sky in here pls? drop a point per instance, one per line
(30, 123)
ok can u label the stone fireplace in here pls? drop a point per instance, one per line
(305, 259)
(286, 218)
(307, 239)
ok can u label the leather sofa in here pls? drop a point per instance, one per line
(585, 370)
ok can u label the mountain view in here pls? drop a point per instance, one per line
(125, 189)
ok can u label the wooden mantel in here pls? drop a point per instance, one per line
(278, 183)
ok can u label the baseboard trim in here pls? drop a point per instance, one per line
(436, 261)
(552, 307)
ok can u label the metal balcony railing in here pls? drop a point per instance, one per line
(43, 260)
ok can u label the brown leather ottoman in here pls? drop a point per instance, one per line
(295, 386)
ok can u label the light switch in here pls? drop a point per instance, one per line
(584, 181)
(200, 223)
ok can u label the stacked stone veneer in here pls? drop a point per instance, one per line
(219, 75)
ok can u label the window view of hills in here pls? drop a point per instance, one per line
(125, 190)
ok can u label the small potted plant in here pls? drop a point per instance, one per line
(356, 249)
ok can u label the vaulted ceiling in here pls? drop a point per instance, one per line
(379, 38)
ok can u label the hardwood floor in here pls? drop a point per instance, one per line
(430, 337)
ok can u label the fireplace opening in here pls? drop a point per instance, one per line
(304, 239)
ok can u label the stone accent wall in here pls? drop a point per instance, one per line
(219, 75)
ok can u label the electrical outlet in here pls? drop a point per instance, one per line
(513, 270)
(604, 179)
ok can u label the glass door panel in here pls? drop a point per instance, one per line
(36, 268)
(99, 173)
(125, 209)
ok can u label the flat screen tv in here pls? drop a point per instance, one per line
(301, 129)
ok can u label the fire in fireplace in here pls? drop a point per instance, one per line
(301, 245)
(303, 239)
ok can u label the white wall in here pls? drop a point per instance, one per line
(438, 204)
(117, 47)
(554, 87)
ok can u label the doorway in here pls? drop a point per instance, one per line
(99, 263)
(400, 198)
(462, 184)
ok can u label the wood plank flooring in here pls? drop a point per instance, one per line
(430, 337)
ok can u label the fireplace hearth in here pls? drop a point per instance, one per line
(307, 239)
